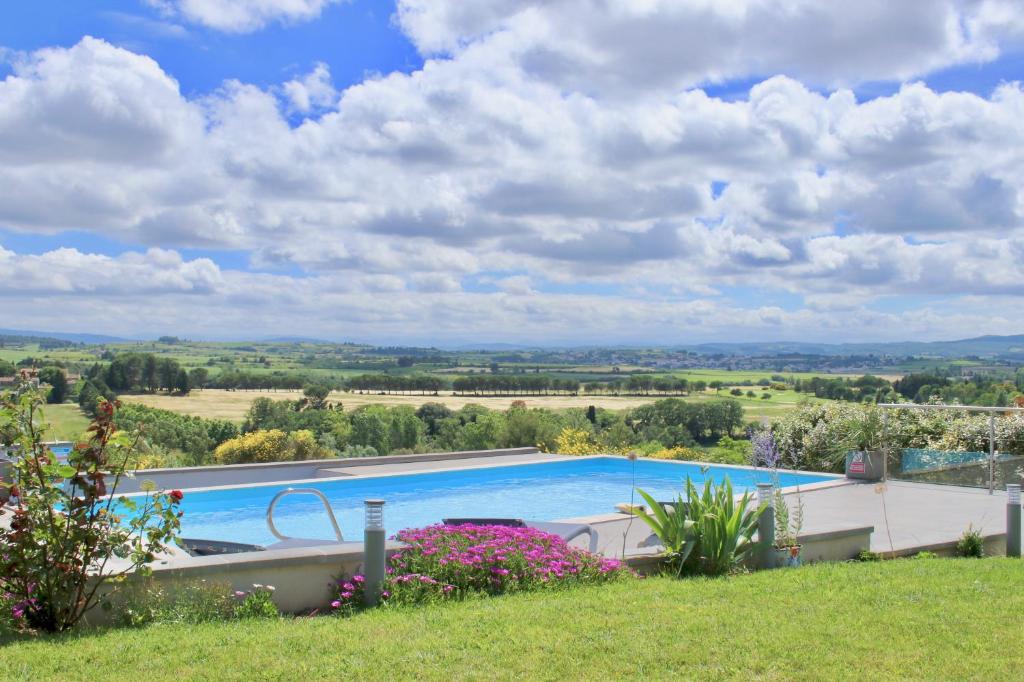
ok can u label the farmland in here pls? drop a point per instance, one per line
(221, 404)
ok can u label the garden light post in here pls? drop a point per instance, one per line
(1013, 519)
(373, 550)
(766, 524)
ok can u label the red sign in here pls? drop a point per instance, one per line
(857, 463)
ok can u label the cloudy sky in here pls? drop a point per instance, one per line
(545, 171)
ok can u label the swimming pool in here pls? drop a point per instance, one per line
(539, 491)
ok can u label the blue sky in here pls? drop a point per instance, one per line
(562, 172)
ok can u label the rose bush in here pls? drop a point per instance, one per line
(68, 541)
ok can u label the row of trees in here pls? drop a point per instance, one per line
(867, 387)
(144, 372)
(512, 384)
(417, 383)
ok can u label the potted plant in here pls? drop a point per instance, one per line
(788, 523)
(863, 446)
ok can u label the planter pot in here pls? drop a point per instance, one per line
(786, 557)
(865, 466)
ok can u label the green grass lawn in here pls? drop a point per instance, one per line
(913, 618)
(67, 422)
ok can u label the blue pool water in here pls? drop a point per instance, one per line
(543, 491)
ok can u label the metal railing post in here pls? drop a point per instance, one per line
(991, 454)
(885, 445)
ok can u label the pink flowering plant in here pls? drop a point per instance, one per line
(444, 562)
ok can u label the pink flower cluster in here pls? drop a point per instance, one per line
(445, 562)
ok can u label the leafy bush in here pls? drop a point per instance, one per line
(163, 431)
(816, 435)
(677, 453)
(191, 602)
(256, 603)
(194, 602)
(66, 525)
(455, 562)
(720, 528)
(971, 544)
(270, 446)
(576, 442)
(673, 528)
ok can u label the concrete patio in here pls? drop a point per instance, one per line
(906, 517)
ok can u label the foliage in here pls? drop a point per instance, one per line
(575, 442)
(971, 544)
(816, 436)
(727, 451)
(442, 563)
(256, 603)
(193, 602)
(145, 372)
(270, 446)
(864, 431)
(677, 453)
(57, 379)
(305, 414)
(67, 525)
(674, 422)
(868, 556)
(673, 528)
(789, 521)
(163, 430)
(721, 527)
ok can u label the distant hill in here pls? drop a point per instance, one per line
(980, 346)
(65, 336)
(296, 339)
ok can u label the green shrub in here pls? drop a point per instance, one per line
(68, 521)
(971, 544)
(256, 603)
(270, 446)
(193, 602)
(868, 555)
(708, 533)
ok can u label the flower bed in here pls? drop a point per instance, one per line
(454, 562)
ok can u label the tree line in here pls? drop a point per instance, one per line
(327, 430)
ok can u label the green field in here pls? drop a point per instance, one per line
(220, 404)
(927, 619)
(67, 422)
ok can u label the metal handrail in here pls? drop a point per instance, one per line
(302, 491)
(942, 406)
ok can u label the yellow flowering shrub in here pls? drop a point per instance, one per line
(273, 445)
(575, 442)
(688, 454)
